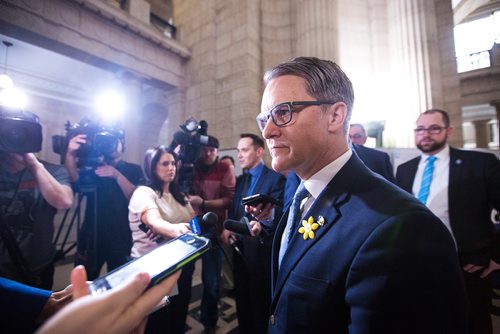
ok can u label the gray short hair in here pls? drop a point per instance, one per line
(324, 79)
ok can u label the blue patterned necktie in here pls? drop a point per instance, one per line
(425, 185)
(293, 215)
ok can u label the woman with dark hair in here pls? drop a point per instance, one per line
(159, 212)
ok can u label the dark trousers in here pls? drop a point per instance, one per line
(93, 263)
(479, 294)
(172, 318)
(211, 278)
(45, 279)
(252, 285)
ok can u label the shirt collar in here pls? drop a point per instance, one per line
(257, 169)
(316, 183)
(441, 155)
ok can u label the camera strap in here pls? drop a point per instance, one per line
(13, 249)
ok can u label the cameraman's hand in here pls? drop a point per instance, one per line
(195, 200)
(75, 143)
(107, 171)
(31, 161)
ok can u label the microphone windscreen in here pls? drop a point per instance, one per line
(210, 218)
(236, 227)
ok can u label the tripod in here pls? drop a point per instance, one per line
(84, 191)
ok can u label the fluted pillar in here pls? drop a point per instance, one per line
(423, 63)
(317, 28)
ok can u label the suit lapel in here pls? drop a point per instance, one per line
(261, 179)
(454, 178)
(328, 204)
(406, 175)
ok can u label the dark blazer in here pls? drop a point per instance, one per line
(473, 190)
(21, 305)
(269, 183)
(382, 263)
(252, 269)
(377, 161)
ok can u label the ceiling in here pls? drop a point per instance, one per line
(45, 73)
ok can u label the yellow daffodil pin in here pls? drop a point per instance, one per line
(308, 227)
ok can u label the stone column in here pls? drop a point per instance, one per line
(316, 29)
(422, 54)
(482, 133)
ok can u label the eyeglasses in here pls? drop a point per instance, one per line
(432, 130)
(356, 136)
(281, 114)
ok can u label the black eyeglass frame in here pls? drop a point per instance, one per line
(262, 118)
(432, 130)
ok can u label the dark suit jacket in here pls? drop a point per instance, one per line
(377, 161)
(382, 263)
(252, 271)
(473, 190)
(269, 183)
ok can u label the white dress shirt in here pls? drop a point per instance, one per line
(437, 201)
(316, 183)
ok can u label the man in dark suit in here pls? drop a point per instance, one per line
(367, 257)
(357, 134)
(463, 189)
(377, 161)
(252, 267)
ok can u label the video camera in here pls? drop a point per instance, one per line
(192, 137)
(20, 131)
(101, 142)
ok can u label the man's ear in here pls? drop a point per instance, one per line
(260, 152)
(449, 132)
(336, 115)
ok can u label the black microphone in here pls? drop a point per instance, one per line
(241, 227)
(210, 218)
(206, 226)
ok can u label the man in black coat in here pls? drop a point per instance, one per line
(353, 253)
(464, 187)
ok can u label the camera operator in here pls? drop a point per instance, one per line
(31, 192)
(213, 185)
(105, 237)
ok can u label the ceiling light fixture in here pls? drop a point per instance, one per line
(5, 80)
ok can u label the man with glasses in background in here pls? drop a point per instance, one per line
(353, 253)
(357, 134)
(461, 188)
(376, 160)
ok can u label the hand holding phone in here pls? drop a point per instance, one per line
(158, 263)
(257, 199)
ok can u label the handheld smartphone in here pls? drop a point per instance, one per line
(158, 263)
(256, 199)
